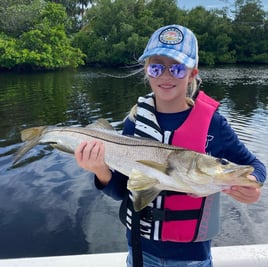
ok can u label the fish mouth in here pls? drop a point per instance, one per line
(240, 170)
(241, 167)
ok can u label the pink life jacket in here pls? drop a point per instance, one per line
(192, 134)
(175, 216)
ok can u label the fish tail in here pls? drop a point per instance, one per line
(32, 137)
(32, 133)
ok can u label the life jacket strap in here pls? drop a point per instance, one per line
(155, 214)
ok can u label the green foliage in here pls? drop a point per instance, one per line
(36, 33)
(213, 30)
(17, 16)
(116, 32)
(46, 46)
(9, 57)
(250, 36)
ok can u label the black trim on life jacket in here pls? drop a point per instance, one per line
(135, 230)
(123, 209)
(169, 215)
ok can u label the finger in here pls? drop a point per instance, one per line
(98, 151)
(235, 195)
(90, 151)
(101, 151)
(94, 151)
(251, 177)
(243, 190)
(244, 194)
(80, 150)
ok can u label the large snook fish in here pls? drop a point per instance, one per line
(150, 165)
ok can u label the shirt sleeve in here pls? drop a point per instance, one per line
(229, 146)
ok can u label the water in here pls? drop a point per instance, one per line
(49, 206)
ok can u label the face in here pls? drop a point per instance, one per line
(170, 87)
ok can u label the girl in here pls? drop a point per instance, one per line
(175, 229)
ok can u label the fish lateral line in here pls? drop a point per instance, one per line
(108, 140)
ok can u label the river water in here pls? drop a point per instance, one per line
(49, 206)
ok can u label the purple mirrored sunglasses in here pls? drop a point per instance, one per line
(176, 70)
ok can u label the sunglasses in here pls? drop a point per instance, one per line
(176, 70)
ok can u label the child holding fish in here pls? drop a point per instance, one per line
(175, 229)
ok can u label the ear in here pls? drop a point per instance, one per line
(193, 73)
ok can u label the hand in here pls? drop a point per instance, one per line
(244, 194)
(90, 156)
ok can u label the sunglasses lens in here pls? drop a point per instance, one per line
(155, 70)
(178, 70)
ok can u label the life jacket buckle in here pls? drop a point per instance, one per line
(159, 215)
(154, 214)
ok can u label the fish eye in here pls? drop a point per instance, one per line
(223, 161)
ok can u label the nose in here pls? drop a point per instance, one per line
(166, 74)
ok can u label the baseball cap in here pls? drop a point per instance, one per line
(174, 41)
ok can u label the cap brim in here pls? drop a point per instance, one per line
(167, 52)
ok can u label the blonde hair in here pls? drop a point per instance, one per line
(192, 89)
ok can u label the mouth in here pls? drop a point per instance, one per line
(167, 86)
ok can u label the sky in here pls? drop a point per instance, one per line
(208, 4)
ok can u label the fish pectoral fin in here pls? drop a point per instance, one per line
(141, 199)
(142, 188)
(138, 181)
(155, 165)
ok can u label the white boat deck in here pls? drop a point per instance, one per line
(232, 256)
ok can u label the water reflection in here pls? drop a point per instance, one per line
(49, 206)
(107, 97)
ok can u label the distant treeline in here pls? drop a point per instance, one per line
(40, 34)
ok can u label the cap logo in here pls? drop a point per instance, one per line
(171, 36)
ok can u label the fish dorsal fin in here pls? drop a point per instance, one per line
(31, 133)
(155, 165)
(101, 124)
